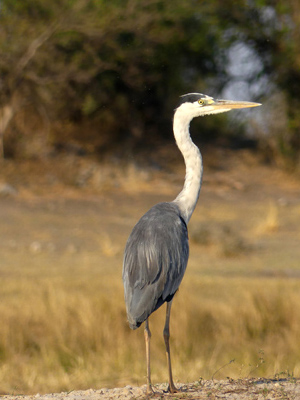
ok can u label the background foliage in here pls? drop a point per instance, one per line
(97, 76)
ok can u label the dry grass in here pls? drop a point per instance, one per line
(65, 332)
(62, 313)
(270, 221)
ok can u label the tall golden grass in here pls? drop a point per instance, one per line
(62, 313)
(67, 330)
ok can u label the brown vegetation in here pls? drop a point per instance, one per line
(62, 310)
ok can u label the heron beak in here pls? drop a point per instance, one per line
(231, 104)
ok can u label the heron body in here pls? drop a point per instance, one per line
(157, 250)
(146, 288)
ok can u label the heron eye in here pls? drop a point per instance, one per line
(201, 102)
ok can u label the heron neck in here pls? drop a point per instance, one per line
(187, 198)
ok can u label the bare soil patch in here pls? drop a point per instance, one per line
(242, 389)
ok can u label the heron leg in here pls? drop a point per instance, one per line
(147, 335)
(171, 387)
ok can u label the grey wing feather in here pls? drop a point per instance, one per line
(155, 260)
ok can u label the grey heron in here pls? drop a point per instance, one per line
(157, 250)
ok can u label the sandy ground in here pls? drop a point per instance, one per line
(226, 389)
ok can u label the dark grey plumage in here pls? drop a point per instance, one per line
(191, 98)
(155, 260)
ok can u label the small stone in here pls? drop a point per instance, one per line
(35, 247)
(7, 190)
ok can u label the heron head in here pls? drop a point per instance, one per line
(196, 104)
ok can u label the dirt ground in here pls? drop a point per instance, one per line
(250, 389)
(78, 204)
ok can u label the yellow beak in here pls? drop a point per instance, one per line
(231, 104)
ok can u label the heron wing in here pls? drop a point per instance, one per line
(155, 260)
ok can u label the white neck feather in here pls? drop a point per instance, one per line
(187, 198)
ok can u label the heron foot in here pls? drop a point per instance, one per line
(151, 394)
(172, 388)
(150, 391)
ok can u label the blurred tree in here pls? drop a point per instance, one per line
(272, 30)
(108, 69)
(105, 73)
